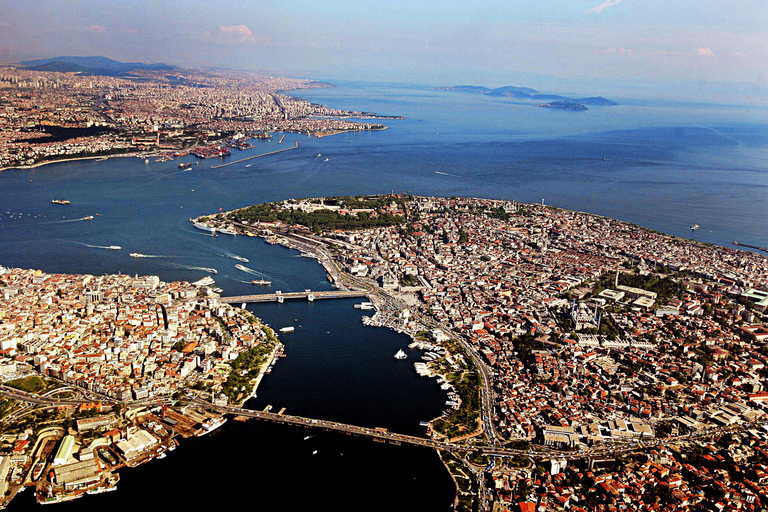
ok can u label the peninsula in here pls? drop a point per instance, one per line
(607, 353)
(114, 368)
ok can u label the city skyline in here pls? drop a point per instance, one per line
(616, 41)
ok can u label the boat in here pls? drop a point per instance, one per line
(326, 159)
(138, 255)
(146, 160)
(185, 165)
(162, 455)
(87, 217)
(694, 227)
(319, 155)
(280, 299)
(314, 452)
(38, 470)
(261, 282)
(204, 227)
(240, 258)
(210, 426)
(241, 267)
(228, 231)
(281, 139)
(206, 281)
(287, 329)
(400, 354)
(60, 201)
(364, 306)
(115, 247)
(210, 270)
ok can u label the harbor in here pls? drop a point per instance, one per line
(256, 156)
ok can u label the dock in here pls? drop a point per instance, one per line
(272, 297)
(255, 156)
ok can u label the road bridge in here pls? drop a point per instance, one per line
(306, 294)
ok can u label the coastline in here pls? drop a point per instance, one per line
(76, 159)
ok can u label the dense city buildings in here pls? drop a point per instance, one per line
(46, 115)
(599, 337)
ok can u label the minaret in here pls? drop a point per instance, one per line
(616, 281)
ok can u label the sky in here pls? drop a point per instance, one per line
(443, 41)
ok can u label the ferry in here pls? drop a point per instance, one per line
(115, 247)
(138, 255)
(204, 227)
(287, 329)
(61, 201)
(210, 426)
(228, 231)
(261, 282)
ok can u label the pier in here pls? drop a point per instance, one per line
(255, 156)
(272, 297)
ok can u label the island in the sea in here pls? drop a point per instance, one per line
(526, 93)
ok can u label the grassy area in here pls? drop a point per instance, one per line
(246, 368)
(31, 384)
(324, 220)
(463, 420)
(467, 485)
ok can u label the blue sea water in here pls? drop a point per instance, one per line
(662, 166)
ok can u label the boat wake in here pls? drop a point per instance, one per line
(112, 247)
(248, 270)
(192, 267)
(235, 257)
(446, 174)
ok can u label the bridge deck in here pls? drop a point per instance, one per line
(271, 297)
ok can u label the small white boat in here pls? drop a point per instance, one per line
(287, 329)
(400, 354)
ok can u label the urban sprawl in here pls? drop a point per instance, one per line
(632, 362)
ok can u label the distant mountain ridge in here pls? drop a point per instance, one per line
(101, 66)
(529, 94)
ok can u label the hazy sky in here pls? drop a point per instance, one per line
(670, 40)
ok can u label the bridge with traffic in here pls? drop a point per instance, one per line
(306, 294)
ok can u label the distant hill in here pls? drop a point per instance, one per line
(527, 93)
(101, 66)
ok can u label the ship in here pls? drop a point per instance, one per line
(242, 267)
(694, 227)
(138, 255)
(210, 426)
(240, 258)
(204, 227)
(60, 201)
(228, 231)
(261, 282)
(210, 270)
(400, 354)
(287, 329)
(364, 306)
(87, 217)
(184, 165)
(206, 281)
(115, 247)
(38, 470)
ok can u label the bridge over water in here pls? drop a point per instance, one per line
(272, 297)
